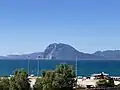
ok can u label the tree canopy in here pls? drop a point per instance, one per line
(63, 77)
(20, 80)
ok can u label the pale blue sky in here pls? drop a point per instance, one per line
(30, 25)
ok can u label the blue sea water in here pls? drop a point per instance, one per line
(84, 67)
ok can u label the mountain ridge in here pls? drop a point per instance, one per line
(109, 54)
(60, 51)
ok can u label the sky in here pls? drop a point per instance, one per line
(28, 26)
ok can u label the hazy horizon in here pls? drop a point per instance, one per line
(28, 26)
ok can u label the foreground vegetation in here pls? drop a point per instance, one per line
(62, 78)
(19, 81)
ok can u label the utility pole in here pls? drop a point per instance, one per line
(28, 65)
(76, 66)
(38, 66)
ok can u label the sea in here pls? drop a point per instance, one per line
(84, 67)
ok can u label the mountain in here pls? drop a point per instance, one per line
(66, 52)
(62, 51)
(109, 54)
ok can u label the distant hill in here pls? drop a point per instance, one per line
(62, 51)
(23, 56)
(109, 54)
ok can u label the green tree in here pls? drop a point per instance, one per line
(59, 79)
(19, 81)
(65, 76)
(4, 84)
(46, 81)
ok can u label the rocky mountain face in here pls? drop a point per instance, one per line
(62, 51)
